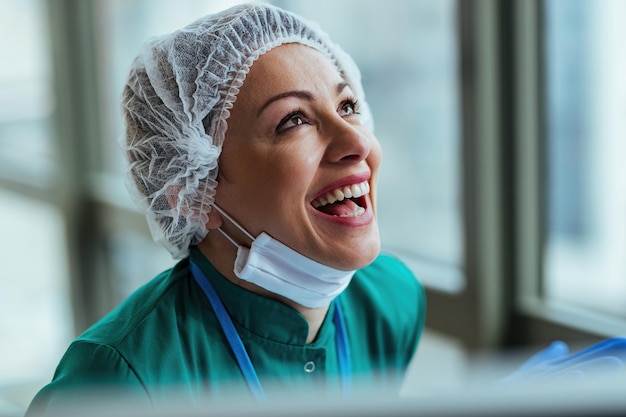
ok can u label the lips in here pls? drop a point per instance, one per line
(344, 201)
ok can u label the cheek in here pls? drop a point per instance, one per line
(269, 174)
(302, 165)
(279, 175)
(296, 159)
(376, 154)
(291, 174)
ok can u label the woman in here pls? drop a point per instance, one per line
(281, 288)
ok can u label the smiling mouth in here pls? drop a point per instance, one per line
(347, 201)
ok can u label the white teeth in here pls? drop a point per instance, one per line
(350, 191)
(338, 195)
(356, 213)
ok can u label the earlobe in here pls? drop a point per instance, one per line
(215, 220)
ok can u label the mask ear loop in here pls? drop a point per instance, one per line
(237, 225)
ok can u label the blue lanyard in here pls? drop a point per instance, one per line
(239, 350)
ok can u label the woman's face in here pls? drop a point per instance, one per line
(294, 145)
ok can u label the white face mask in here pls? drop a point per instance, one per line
(279, 269)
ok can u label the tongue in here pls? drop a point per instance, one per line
(341, 207)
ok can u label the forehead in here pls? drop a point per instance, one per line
(289, 67)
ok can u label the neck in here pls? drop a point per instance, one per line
(314, 316)
(222, 253)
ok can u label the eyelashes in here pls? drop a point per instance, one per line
(292, 120)
(351, 106)
(348, 107)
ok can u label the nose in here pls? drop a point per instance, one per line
(348, 143)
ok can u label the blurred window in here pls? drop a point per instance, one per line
(26, 99)
(585, 63)
(34, 296)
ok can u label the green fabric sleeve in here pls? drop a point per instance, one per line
(95, 371)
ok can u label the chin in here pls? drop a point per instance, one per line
(372, 254)
(365, 256)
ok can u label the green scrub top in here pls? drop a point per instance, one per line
(165, 340)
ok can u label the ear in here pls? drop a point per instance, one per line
(215, 219)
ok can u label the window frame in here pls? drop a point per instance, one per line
(504, 141)
(537, 319)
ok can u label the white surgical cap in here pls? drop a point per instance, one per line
(176, 104)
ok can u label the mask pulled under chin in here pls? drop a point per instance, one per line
(277, 268)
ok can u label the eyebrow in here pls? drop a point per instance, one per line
(304, 95)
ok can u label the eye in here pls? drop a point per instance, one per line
(294, 119)
(349, 107)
